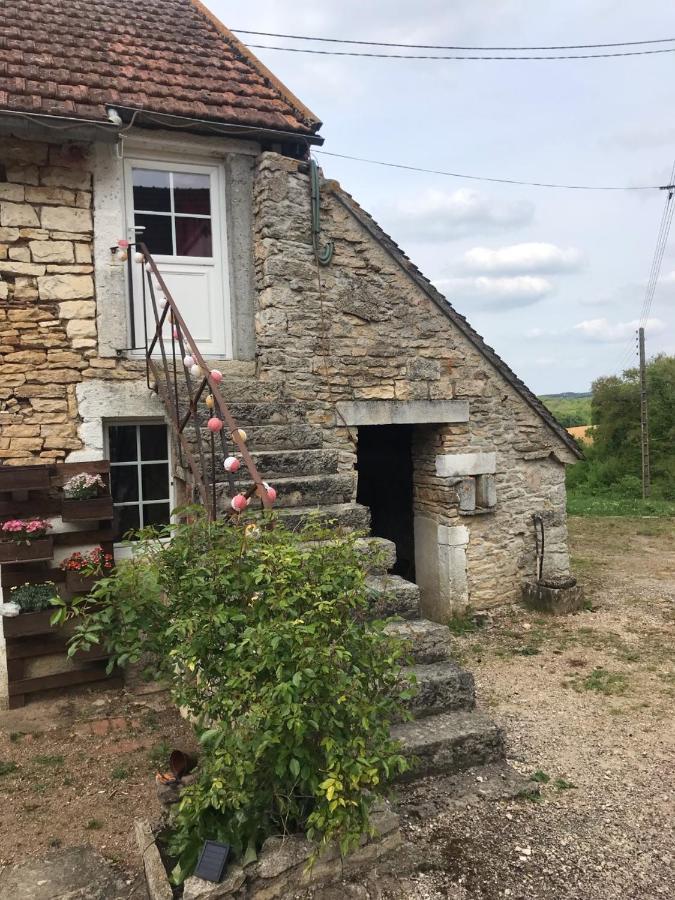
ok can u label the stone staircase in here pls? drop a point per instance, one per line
(447, 734)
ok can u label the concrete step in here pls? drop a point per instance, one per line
(281, 463)
(305, 490)
(391, 595)
(346, 516)
(428, 642)
(440, 687)
(449, 743)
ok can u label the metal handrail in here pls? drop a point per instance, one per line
(170, 365)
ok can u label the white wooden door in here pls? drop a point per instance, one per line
(179, 209)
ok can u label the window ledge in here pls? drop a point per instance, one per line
(478, 511)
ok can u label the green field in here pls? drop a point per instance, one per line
(569, 409)
(584, 504)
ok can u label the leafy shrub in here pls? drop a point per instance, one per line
(292, 698)
(33, 597)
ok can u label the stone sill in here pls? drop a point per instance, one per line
(478, 511)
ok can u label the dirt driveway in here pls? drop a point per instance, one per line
(588, 702)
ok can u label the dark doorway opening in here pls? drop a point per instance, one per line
(385, 484)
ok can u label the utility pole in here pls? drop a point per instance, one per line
(644, 417)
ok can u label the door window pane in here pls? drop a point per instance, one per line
(124, 483)
(157, 236)
(156, 513)
(152, 190)
(153, 442)
(126, 519)
(192, 193)
(122, 442)
(193, 237)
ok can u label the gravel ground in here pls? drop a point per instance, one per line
(587, 701)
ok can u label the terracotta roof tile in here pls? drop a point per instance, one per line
(74, 57)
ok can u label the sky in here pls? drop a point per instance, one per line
(554, 280)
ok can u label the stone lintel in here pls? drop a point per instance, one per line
(403, 412)
(454, 465)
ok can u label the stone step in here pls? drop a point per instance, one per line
(280, 463)
(429, 642)
(391, 595)
(449, 743)
(304, 490)
(440, 687)
(346, 516)
(380, 554)
(284, 437)
(234, 389)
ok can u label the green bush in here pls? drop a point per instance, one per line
(258, 633)
(33, 597)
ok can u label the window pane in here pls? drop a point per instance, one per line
(126, 518)
(152, 190)
(193, 237)
(124, 483)
(155, 478)
(156, 513)
(153, 442)
(192, 193)
(157, 235)
(122, 440)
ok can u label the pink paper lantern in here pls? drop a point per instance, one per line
(174, 331)
(271, 492)
(216, 375)
(188, 361)
(239, 503)
(215, 424)
(232, 464)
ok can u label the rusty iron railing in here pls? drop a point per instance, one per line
(165, 366)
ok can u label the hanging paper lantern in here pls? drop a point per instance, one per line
(188, 361)
(271, 492)
(139, 257)
(196, 371)
(239, 503)
(163, 302)
(174, 331)
(214, 425)
(216, 375)
(209, 401)
(148, 267)
(241, 433)
(232, 464)
(122, 255)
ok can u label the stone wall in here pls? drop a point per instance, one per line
(362, 329)
(48, 332)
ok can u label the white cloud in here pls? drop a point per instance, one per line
(436, 215)
(521, 259)
(495, 293)
(605, 332)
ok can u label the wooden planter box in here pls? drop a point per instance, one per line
(28, 624)
(24, 478)
(80, 584)
(33, 551)
(95, 508)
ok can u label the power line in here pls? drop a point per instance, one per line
(527, 58)
(661, 241)
(544, 184)
(329, 40)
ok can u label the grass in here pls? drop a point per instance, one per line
(119, 773)
(602, 681)
(541, 777)
(50, 761)
(7, 767)
(580, 504)
(463, 623)
(159, 756)
(561, 784)
(94, 825)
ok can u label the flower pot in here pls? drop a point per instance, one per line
(94, 508)
(32, 551)
(80, 584)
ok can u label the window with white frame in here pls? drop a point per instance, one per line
(140, 478)
(174, 209)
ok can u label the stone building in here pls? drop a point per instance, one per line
(363, 391)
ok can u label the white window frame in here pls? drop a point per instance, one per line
(138, 463)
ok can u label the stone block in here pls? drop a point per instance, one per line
(25, 151)
(458, 465)
(77, 309)
(567, 598)
(403, 412)
(65, 287)
(19, 254)
(9, 235)
(59, 176)
(83, 253)
(486, 491)
(423, 369)
(25, 289)
(18, 214)
(33, 234)
(52, 251)
(466, 490)
(21, 268)
(23, 174)
(4, 290)
(81, 328)
(50, 195)
(63, 218)
(13, 192)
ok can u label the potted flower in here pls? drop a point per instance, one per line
(84, 570)
(35, 603)
(86, 496)
(25, 540)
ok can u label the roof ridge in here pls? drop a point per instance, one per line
(399, 256)
(306, 113)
